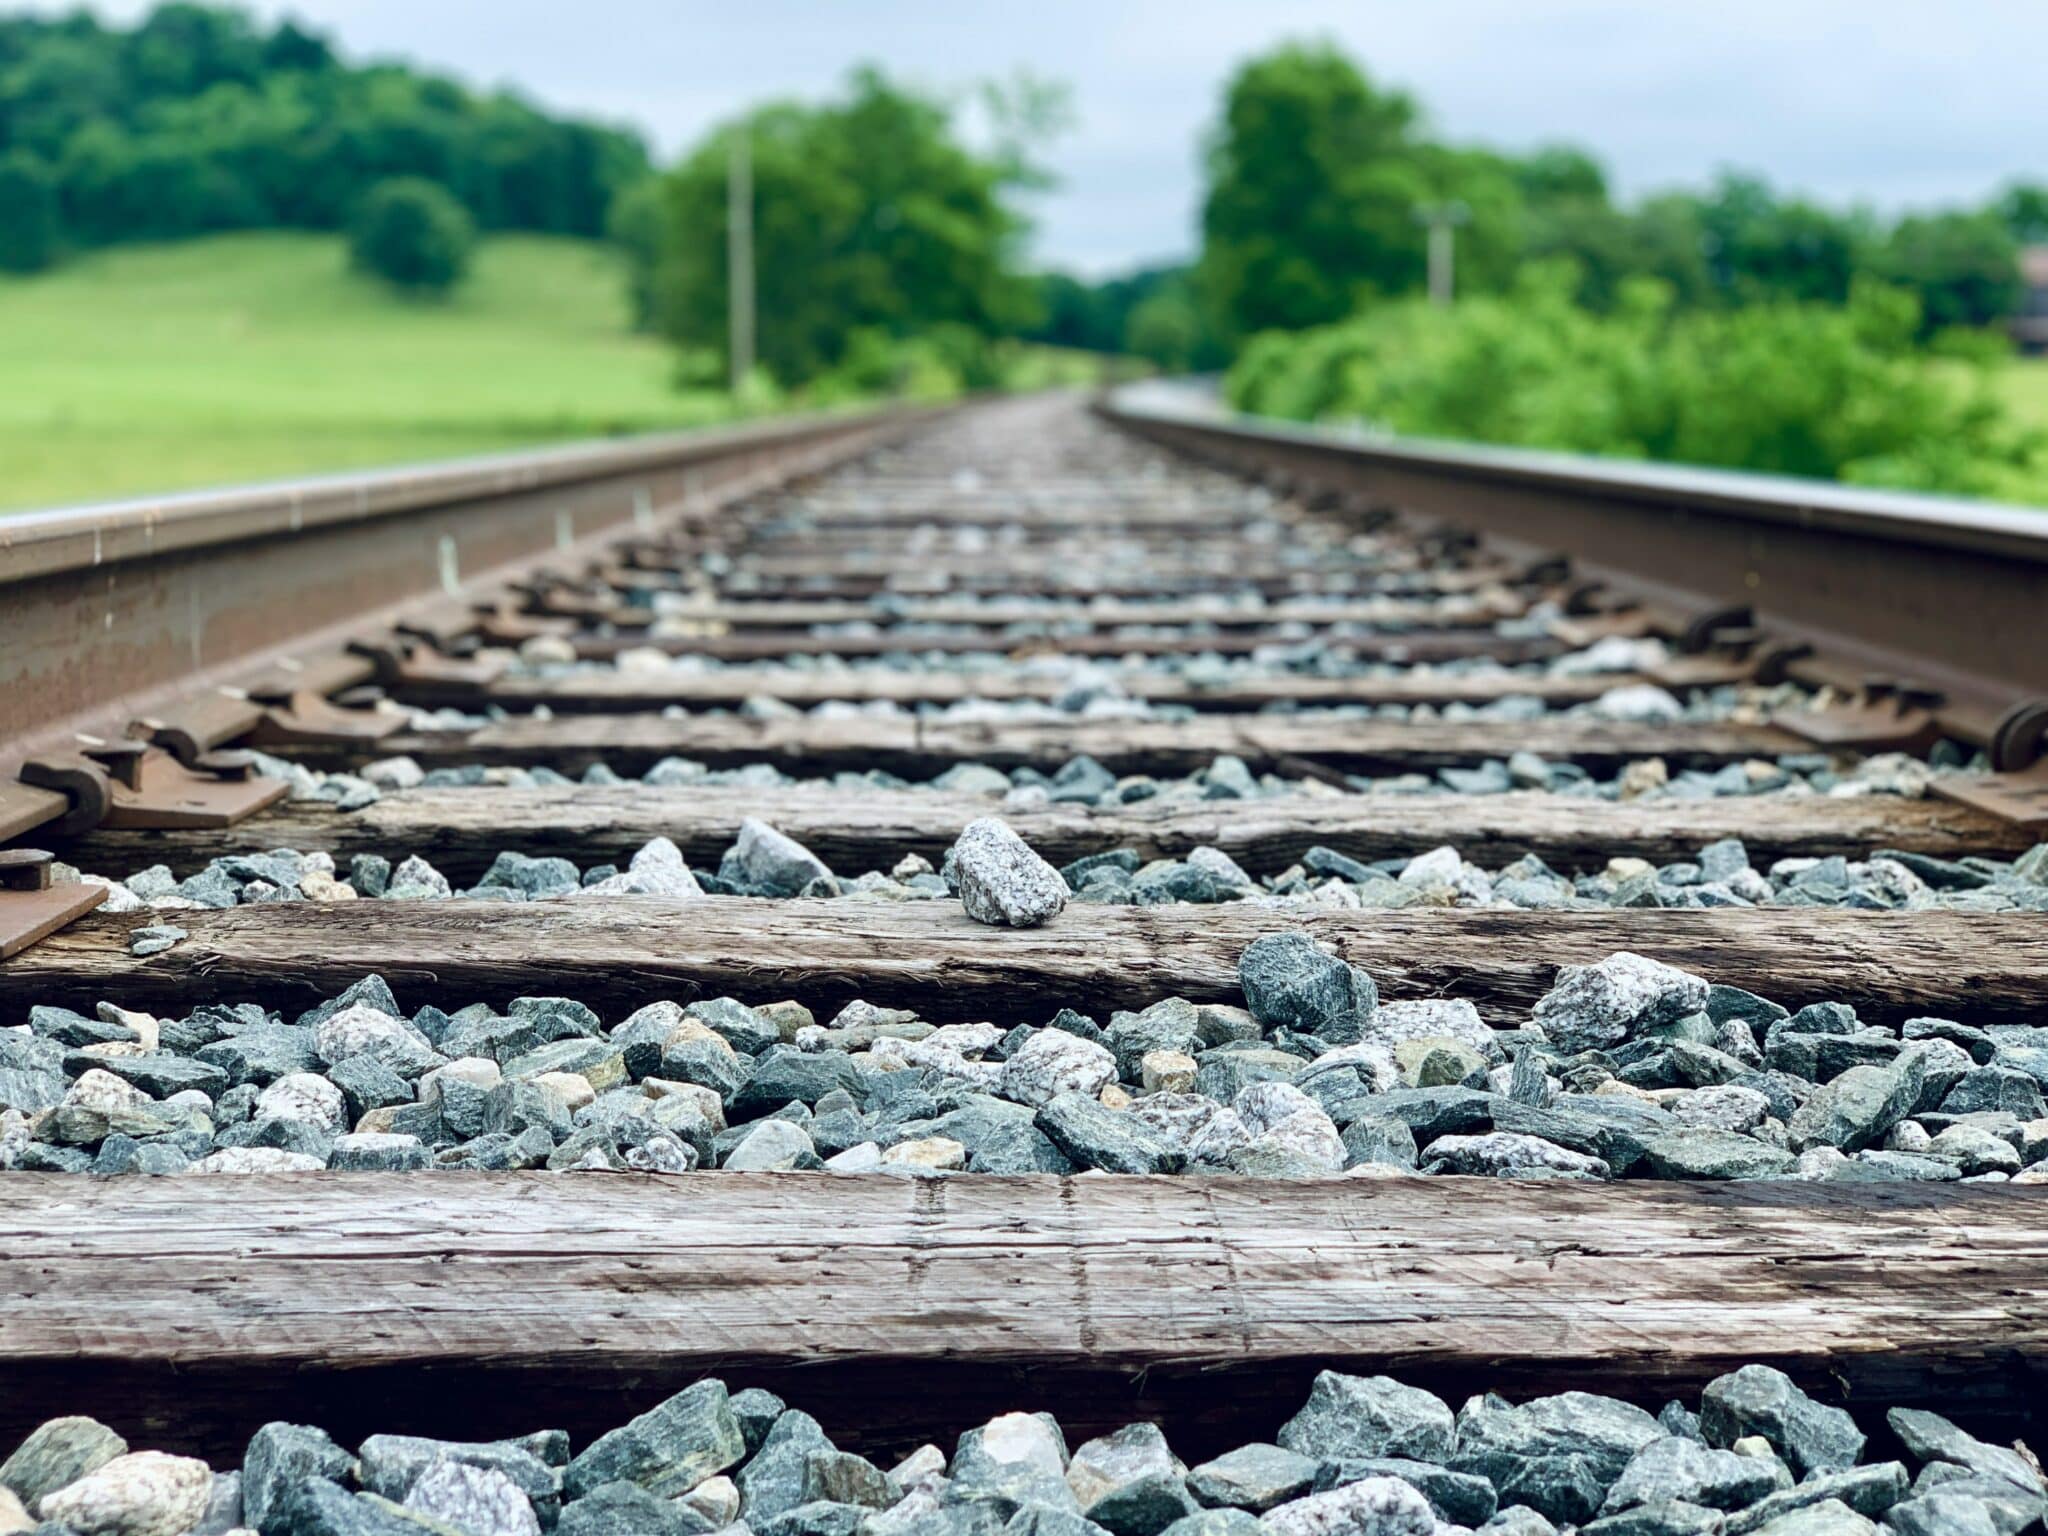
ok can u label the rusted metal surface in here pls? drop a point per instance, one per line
(105, 610)
(1915, 592)
(31, 907)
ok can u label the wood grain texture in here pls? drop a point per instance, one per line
(188, 1311)
(729, 686)
(461, 831)
(1404, 645)
(918, 748)
(1462, 613)
(620, 952)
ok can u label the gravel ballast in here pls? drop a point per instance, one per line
(1365, 1456)
(1626, 1069)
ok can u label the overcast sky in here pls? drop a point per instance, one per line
(1895, 103)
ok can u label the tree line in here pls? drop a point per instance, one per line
(198, 120)
(1316, 175)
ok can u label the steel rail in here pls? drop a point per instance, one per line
(1926, 594)
(104, 608)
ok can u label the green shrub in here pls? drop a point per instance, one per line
(413, 235)
(1831, 391)
(29, 232)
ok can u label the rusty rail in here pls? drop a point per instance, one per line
(104, 609)
(1920, 602)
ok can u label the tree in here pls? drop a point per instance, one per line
(1963, 266)
(1313, 185)
(2023, 208)
(413, 235)
(869, 214)
(29, 233)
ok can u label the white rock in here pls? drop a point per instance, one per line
(1594, 1006)
(941, 1153)
(1637, 701)
(305, 1097)
(572, 1088)
(717, 1499)
(861, 1157)
(1373, 1506)
(394, 773)
(361, 1027)
(256, 1160)
(920, 1469)
(1221, 865)
(144, 1024)
(1002, 882)
(99, 1089)
(480, 1500)
(477, 1071)
(1023, 1438)
(1167, 1071)
(1434, 1018)
(1053, 1062)
(658, 869)
(144, 1493)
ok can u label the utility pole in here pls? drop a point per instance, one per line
(739, 258)
(1443, 220)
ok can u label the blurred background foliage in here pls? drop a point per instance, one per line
(202, 184)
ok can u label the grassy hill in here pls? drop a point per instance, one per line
(245, 357)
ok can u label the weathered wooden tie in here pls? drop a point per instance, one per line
(855, 830)
(188, 1311)
(619, 952)
(725, 687)
(917, 748)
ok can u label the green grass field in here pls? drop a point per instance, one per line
(249, 357)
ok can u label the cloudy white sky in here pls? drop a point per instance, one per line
(1895, 103)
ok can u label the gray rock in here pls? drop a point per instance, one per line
(1758, 1400)
(1594, 1006)
(1678, 1468)
(1115, 1141)
(1129, 1482)
(1253, 1477)
(1696, 1152)
(778, 1477)
(1368, 1416)
(1559, 1455)
(627, 1509)
(313, 1506)
(763, 862)
(1665, 1517)
(58, 1452)
(1457, 1497)
(280, 1457)
(1000, 880)
(392, 1464)
(1830, 1517)
(1014, 1460)
(819, 1517)
(1216, 1522)
(478, 1500)
(668, 1450)
(1509, 1155)
(1290, 984)
(1858, 1107)
(1941, 1514)
(755, 1410)
(840, 1477)
(785, 1075)
(1930, 1437)
(773, 1146)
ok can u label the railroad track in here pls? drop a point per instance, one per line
(827, 935)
